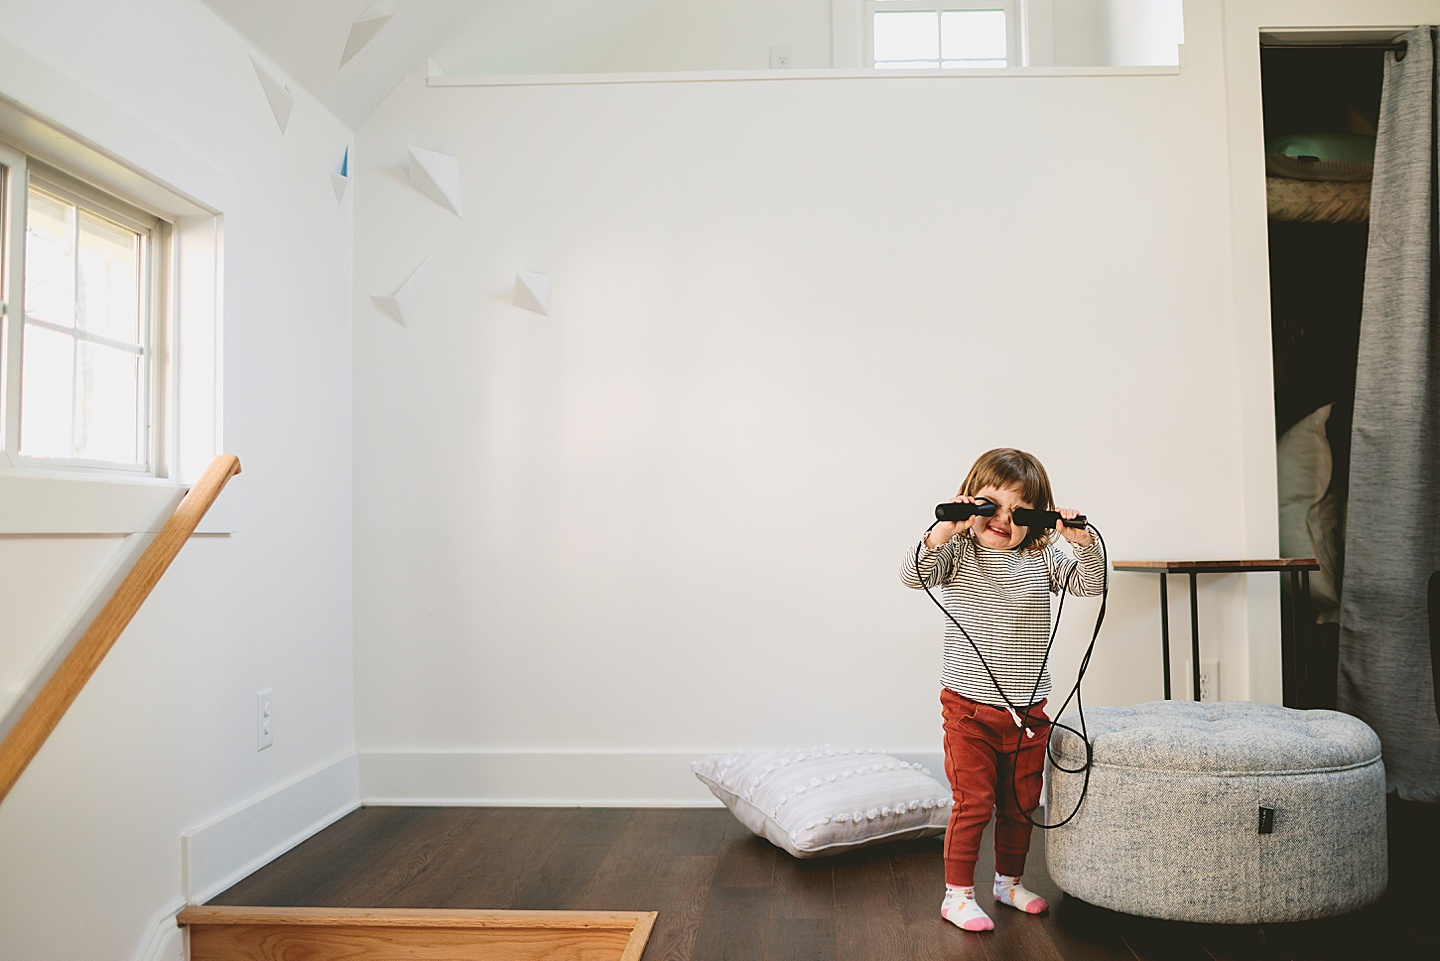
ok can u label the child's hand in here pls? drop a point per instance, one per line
(943, 531)
(1075, 535)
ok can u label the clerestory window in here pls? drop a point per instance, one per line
(919, 34)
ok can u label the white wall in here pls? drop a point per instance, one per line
(1078, 29)
(162, 741)
(516, 37)
(787, 316)
(1089, 32)
(676, 35)
(1144, 31)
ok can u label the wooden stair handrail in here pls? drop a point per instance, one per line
(24, 740)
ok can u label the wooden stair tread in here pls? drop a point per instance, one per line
(247, 933)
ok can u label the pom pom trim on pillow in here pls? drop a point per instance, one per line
(827, 801)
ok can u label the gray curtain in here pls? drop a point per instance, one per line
(1392, 541)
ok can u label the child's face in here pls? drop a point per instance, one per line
(1000, 532)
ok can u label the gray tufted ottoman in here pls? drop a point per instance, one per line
(1175, 824)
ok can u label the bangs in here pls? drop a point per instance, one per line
(1007, 467)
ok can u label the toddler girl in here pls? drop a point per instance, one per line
(996, 578)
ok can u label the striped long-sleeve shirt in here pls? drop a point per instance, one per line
(1002, 599)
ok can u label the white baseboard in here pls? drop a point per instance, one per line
(562, 779)
(165, 940)
(236, 844)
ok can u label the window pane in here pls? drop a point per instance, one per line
(107, 401)
(49, 258)
(973, 34)
(907, 35)
(47, 393)
(108, 299)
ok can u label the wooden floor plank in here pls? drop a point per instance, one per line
(1154, 940)
(489, 873)
(700, 831)
(801, 939)
(869, 923)
(678, 892)
(313, 875)
(623, 876)
(1082, 932)
(803, 888)
(567, 872)
(733, 925)
(920, 886)
(421, 873)
(745, 861)
(297, 874)
(1243, 942)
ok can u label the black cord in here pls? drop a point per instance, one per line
(1074, 691)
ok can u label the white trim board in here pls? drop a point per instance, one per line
(164, 939)
(541, 778)
(730, 76)
(234, 845)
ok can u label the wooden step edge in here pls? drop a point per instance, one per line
(417, 918)
(639, 936)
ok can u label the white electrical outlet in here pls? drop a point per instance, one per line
(1209, 680)
(264, 719)
(780, 58)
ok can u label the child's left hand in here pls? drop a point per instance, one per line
(1075, 535)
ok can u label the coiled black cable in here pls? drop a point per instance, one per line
(1074, 691)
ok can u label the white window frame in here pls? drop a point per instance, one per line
(43, 499)
(155, 336)
(1013, 26)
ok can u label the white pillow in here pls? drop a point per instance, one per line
(1309, 514)
(827, 800)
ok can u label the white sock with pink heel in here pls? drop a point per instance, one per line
(960, 909)
(1010, 891)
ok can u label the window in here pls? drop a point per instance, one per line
(957, 34)
(84, 329)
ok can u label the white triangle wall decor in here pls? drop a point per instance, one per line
(437, 176)
(363, 30)
(280, 98)
(532, 291)
(340, 179)
(401, 304)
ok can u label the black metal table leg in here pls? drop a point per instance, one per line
(1304, 618)
(1165, 631)
(1294, 653)
(1289, 659)
(1194, 638)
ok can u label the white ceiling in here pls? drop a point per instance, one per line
(305, 41)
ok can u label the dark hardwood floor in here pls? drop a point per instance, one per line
(722, 893)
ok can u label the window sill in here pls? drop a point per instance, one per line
(39, 503)
(711, 76)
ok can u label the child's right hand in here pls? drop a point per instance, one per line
(943, 531)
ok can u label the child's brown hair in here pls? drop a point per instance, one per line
(1007, 467)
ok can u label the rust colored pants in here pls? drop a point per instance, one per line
(985, 773)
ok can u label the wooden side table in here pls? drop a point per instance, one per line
(1293, 674)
